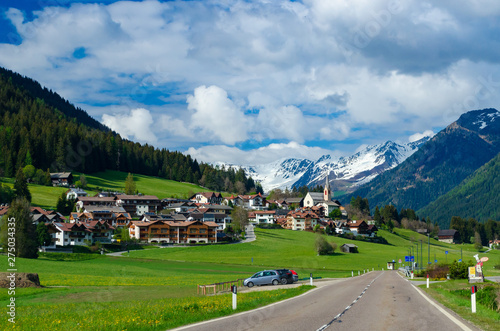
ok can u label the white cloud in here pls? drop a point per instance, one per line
(137, 124)
(215, 116)
(418, 136)
(316, 70)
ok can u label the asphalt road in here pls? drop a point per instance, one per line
(380, 300)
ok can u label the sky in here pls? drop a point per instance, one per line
(250, 82)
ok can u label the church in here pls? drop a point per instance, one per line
(324, 199)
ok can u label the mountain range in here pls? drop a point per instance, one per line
(344, 173)
(452, 157)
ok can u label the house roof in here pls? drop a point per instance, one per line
(137, 197)
(446, 233)
(103, 209)
(349, 245)
(60, 175)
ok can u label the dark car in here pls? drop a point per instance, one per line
(286, 276)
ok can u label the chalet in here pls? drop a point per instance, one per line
(74, 193)
(42, 215)
(137, 205)
(207, 197)
(174, 232)
(83, 202)
(356, 227)
(295, 202)
(301, 220)
(265, 216)
(80, 233)
(61, 178)
(448, 236)
(255, 201)
(209, 215)
(113, 215)
(349, 248)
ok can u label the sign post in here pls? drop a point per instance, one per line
(234, 289)
(473, 298)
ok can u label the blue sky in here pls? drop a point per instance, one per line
(249, 82)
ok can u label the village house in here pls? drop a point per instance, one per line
(174, 232)
(207, 197)
(73, 193)
(83, 201)
(113, 215)
(448, 236)
(137, 205)
(301, 220)
(79, 233)
(349, 248)
(61, 178)
(255, 201)
(263, 216)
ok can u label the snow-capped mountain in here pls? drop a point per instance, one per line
(342, 172)
(359, 168)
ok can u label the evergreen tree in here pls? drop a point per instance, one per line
(21, 186)
(130, 187)
(26, 245)
(43, 235)
(377, 217)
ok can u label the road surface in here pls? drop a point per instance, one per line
(380, 300)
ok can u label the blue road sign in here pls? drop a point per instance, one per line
(459, 260)
(435, 261)
(446, 252)
(407, 258)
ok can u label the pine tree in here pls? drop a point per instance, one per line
(130, 187)
(21, 186)
(43, 235)
(26, 245)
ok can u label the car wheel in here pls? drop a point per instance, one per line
(275, 282)
(250, 284)
(283, 281)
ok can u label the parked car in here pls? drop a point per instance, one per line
(265, 277)
(295, 276)
(286, 276)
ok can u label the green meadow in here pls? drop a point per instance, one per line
(46, 196)
(157, 288)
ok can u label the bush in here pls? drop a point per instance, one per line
(438, 271)
(460, 270)
(323, 247)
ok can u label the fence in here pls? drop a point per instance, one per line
(218, 287)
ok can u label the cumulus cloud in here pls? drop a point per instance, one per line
(137, 124)
(215, 117)
(418, 136)
(265, 71)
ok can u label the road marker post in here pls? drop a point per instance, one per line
(427, 280)
(358, 272)
(473, 298)
(352, 273)
(412, 275)
(311, 278)
(234, 290)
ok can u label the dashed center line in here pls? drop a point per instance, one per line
(348, 307)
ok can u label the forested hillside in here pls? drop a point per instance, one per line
(38, 127)
(476, 197)
(439, 165)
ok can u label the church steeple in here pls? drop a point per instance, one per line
(327, 191)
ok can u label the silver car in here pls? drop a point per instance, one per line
(263, 278)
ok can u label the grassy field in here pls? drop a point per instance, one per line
(456, 295)
(156, 288)
(46, 196)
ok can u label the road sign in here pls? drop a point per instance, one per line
(435, 261)
(399, 260)
(446, 252)
(459, 260)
